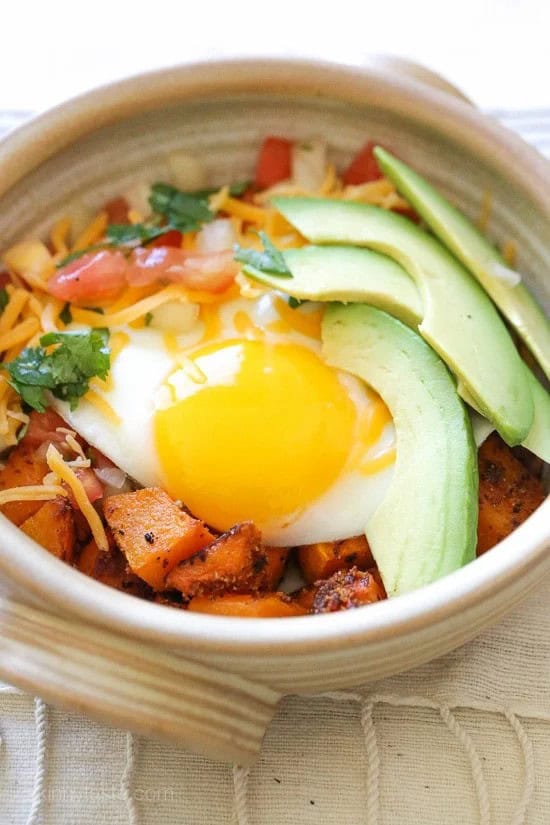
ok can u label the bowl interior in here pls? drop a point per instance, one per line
(459, 150)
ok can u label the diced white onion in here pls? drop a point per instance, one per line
(216, 236)
(187, 171)
(309, 161)
(175, 316)
(505, 274)
(111, 477)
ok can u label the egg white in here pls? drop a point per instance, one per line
(140, 375)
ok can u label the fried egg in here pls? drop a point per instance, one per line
(239, 418)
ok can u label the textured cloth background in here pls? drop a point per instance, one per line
(462, 740)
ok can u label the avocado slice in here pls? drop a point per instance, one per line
(426, 525)
(347, 274)
(356, 275)
(538, 440)
(459, 320)
(476, 253)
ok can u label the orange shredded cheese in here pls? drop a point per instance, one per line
(93, 232)
(32, 492)
(59, 236)
(19, 334)
(102, 405)
(67, 474)
(126, 316)
(17, 301)
(245, 211)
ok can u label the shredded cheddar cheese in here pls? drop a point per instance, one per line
(59, 236)
(32, 492)
(102, 405)
(19, 334)
(126, 316)
(93, 232)
(65, 473)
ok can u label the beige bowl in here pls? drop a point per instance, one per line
(91, 148)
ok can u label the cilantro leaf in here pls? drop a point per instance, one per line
(294, 303)
(235, 190)
(148, 317)
(123, 233)
(4, 299)
(270, 261)
(184, 210)
(65, 371)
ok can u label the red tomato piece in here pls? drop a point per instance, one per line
(363, 168)
(212, 272)
(4, 279)
(274, 162)
(171, 238)
(95, 276)
(42, 429)
(92, 485)
(117, 210)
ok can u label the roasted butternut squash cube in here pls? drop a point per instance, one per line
(508, 493)
(24, 467)
(235, 561)
(53, 527)
(153, 532)
(321, 560)
(251, 606)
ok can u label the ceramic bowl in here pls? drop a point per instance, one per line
(91, 147)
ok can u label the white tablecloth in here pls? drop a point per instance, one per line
(461, 741)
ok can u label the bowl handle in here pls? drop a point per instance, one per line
(410, 70)
(120, 681)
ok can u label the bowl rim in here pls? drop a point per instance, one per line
(521, 553)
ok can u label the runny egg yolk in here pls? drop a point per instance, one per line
(267, 433)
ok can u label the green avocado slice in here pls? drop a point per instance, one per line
(426, 525)
(476, 253)
(347, 274)
(352, 274)
(459, 320)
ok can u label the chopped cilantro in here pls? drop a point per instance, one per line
(64, 371)
(66, 315)
(270, 261)
(235, 190)
(183, 210)
(123, 233)
(4, 299)
(148, 317)
(293, 302)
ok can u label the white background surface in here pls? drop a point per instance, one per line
(497, 51)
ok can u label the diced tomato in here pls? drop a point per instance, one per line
(274, 162)
(95, 276)
(4, 279)
(42, 429)
(171, 238)
(213, 272)
(363, 168)
(117, 210)
(92, 485)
